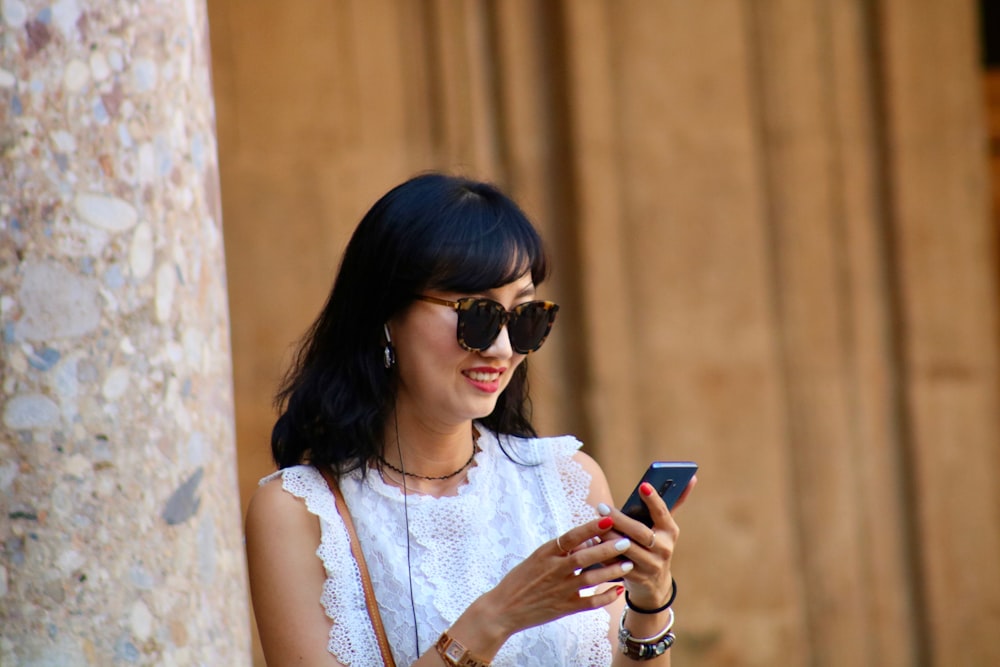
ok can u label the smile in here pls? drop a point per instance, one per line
(483, 376)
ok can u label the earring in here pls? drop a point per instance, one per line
(389, 353)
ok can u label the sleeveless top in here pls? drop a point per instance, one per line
(459, 548)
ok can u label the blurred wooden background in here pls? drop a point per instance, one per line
(771, 224)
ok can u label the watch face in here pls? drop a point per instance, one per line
(455, 651)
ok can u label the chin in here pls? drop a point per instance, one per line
(483, 411)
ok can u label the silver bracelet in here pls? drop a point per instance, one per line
(649, 647)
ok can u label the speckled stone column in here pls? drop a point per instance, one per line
(120, 539)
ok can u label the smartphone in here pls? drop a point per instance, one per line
(668, 478)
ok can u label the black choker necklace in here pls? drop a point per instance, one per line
(475, 448)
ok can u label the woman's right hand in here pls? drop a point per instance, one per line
(547, 584)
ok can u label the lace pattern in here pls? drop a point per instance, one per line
(460, 547)
(342, 597)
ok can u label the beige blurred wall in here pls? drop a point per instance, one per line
(771, 228)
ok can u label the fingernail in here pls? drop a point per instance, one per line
(623, 544)
(620, 590)
(603, 509)
(646, 489)
(605, 523)
(627, 566)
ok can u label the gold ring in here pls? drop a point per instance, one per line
(652, 540)
(560, 547)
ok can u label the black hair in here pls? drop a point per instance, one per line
(433, 231)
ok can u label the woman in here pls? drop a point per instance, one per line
(411, 389)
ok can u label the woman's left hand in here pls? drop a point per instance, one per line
(650, 581)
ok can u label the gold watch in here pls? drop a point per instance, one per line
(455, 654)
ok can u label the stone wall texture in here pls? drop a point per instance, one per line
(120, 538)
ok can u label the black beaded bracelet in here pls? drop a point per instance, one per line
(640, 610)
(650, 647)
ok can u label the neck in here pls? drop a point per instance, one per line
(424, 452)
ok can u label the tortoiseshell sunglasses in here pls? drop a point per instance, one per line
(480, 321)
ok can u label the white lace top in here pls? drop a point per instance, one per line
(460, 547)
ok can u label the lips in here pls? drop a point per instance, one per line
(485, 378)
(484, 374)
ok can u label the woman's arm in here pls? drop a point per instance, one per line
(650, 579)
(286, 579)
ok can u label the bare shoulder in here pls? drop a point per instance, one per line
(600, 490)
(280, 530)
(270, 503)
(588, 463)
(286, 578)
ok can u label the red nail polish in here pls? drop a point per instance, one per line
(605, 523)
(619, 590)
(646, 489)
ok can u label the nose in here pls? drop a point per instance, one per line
(500, 347)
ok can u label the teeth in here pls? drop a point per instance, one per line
(482, 377)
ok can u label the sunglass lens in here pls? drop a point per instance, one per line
(480, 323)
(530, 324)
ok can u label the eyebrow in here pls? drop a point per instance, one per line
(528, 290)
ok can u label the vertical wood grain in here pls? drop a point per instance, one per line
(888, 602)
(701, 327)
(818, 288)
(608, 390)
(948, 304)
(465, 111)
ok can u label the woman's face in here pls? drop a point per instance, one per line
(439, 381)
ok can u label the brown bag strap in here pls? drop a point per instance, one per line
(359, 558)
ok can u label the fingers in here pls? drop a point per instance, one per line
(604, 550)
(644, 565)
(654, 503)
(601, 573)
(602, 599)
(570, 541)
(652, 540)
(593, 557)
(640, 533)
(598, 559)
(687, 491)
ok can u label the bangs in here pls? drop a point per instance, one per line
(485, 249)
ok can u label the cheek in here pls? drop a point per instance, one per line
(429, 350)
(514, 363)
